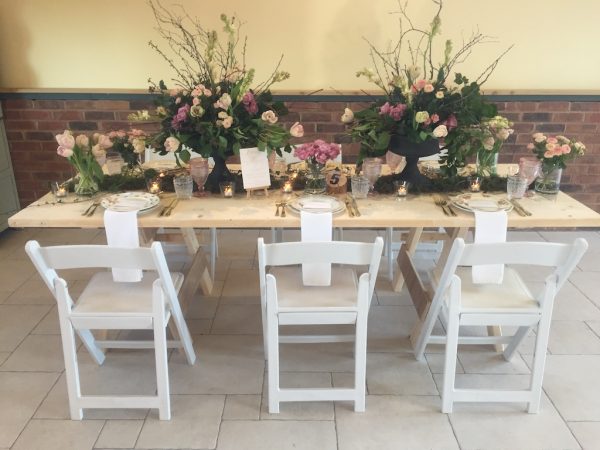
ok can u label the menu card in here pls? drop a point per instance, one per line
(255, 168)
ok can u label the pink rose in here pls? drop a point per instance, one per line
(65, 140)
(171, 144)
(269, 116)
(428, 88)
(195, 101)
(420, 84)
(451, 122)
(440, 131)
(565, 149)
(178, 100)
(297, 130)
(548, 154)
(435, 118)
(552, 140)
(249, 103)
(64, 152)
(530, 146)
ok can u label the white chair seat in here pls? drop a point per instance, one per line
(103, 296)
(511, 295)
(341, 295)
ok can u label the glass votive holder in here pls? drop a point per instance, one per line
(154, 185)
(184, 186)
(287, 187)
(475, 184)
(516, 186)
(360, 186)
(59, 190)
(114, 164)
(401, 188)
(227, 188)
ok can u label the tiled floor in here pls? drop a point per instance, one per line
(221, 402)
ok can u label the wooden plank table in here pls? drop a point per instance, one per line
(415, 212)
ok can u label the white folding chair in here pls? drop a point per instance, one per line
(507, 304)
(108, 305)
(286, 301)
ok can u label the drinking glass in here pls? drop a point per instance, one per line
(183, 186)
(516, 186)
(372, 170)
(199, 171)
(529, 168)
(114, 164)
(360, 186)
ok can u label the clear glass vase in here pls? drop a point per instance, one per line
(315, 178)
(86, 184)
(487, 163)
(548, 182)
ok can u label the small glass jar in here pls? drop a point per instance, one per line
(227, 189)
(475, 184)
(401, 188)
(60, 190)
(154, 185)
(360, 186)
(287, 187)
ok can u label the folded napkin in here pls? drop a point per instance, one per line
(316, 227)
(122, 231)
(483, 205)
(317, 206)
(489, 227)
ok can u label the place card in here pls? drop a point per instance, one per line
(255, 168)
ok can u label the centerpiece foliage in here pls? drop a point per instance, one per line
(422, 100)
(215, 108)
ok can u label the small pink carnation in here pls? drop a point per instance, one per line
(530, 146)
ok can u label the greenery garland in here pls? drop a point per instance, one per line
(457, 183)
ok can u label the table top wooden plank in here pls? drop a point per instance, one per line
(379, 211)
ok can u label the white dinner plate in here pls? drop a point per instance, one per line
(317, 204)
(131, 201)
(479, 202)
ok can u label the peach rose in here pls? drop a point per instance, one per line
(440, 131)
(227, 122)
(269, 116)
(428, 88)
(172, 144)
(297, 130)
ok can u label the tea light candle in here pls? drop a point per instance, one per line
(475, 184)
(154, 188)
(61, 191)
(294, 175)
(227, 191)
(402, 191)
(287, 187)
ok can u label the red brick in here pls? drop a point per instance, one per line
(585, 106)
(500, 105)
(99, 115)
(304, 106)
(20, 125)
(523, 127)
(67, 115)
(567, 117)
(12, 114)
(35, 114)
(49, 104)
(315, 116)
(554, 106)
(592, 117)
(80, 104)
(111, 104)
(331, 127)
(581, 128)
(53, 125)
(337, 107)
(17, 103)
(521, 106)
(14, 135)
(116, 125)
(24, 146)
(39, 136)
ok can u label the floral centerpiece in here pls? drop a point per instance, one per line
(83, 152)
(420, 108)
(216, 108)
(129, 144)
(315, 155)
(484, 140)
(554, 152)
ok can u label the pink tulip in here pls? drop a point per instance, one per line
(64, 151)
(65, 140)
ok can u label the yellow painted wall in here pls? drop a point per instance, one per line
(103, 43)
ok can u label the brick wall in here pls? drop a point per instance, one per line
(32, 124)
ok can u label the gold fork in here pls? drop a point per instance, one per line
(91, 209)
(445, 203)
(441, 203)
(277, 206)
(283, 205)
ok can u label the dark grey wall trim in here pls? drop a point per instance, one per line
(286, 98)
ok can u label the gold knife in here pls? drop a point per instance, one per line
(349, 208)
(356, 211)
(166, 208)
(172, 207)
(519, 208)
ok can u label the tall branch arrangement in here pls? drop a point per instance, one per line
(420, 102)
(214, 108)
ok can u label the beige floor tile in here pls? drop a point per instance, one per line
(49, 324)
(241, 283)
(571, 304)
(484, 361)
(588, 284)
(16, 322)
(249, 300)
(398, 374)
(337, 357)
(590, 262)
(395, 423)
(242, 407)
(436, 363)
(569, 337)
(225, 365)
(592, 237)
(59, 435)
(246, 264)
(194, 424)
(571, 382)
(4, 356)
(20, 395)
(37, 353)
(199, 326)
(237, 319)
(4, 295)
(280, 435)
(119, 434)
(202, 308)
(56, 406)
(300, 410)
(389, 328)
(587, 434)
(14, 273)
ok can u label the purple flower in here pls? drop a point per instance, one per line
(182, 114)
(249, 103)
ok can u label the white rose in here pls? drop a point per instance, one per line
(421, 116)
(440, 131)
(439, 94)
(172, 144)
(225, 100)
(348, 116)
(488, 143)
(227, 122)
(139, 145)
(539, 137)
(222, 115)
(269, 116)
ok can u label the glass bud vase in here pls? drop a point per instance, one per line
(487, 163)
(315, 178)
(548, 182)
(86, 184)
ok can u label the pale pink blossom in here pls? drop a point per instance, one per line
(82, 141)
(195, 101)
(64, 151)
(224, 101)
(565, 149)
(139, 145)
(435, 118)
(269, 116)
(227, 122)
(297, 130)
(548, 154)
(207, 92)
(538, 137)
(552, 140)
(428, 88)
(439, 95)
(420, 84)
(530, 146)
(98, 151)
(249, 103)
(440, 131)
(65, 140)
(104, 141)
(550, 146)
(348, 116)
(178, 100)
(172, 144)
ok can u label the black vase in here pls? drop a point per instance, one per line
(412, 151)
(219, 173)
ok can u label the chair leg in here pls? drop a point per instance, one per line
(451, 351)
(160, 354)
(511, 348)
(389, 232)
(360, 362)
(72, 372)
(539, 363)
(273, 362)
(89, 342)
(214, 252)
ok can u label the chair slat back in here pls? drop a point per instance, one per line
(336, 252)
